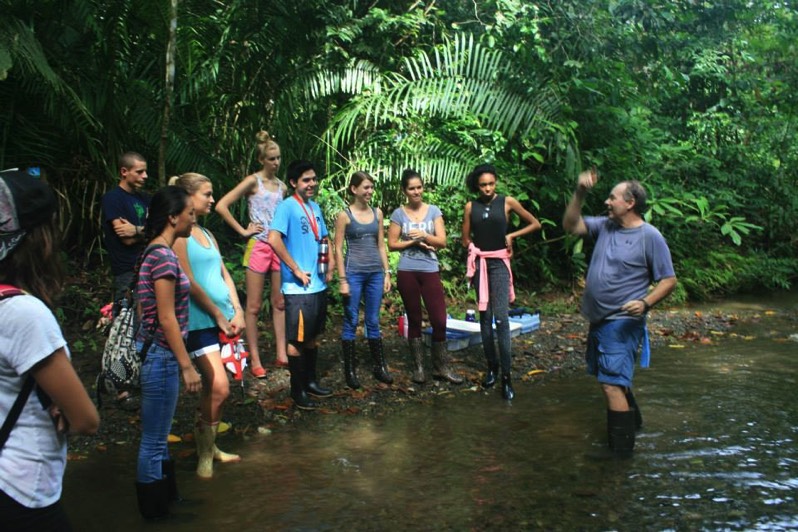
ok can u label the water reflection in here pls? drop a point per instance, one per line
(717, 452)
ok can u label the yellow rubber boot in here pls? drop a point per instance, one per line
(223, 457)
(204, 436)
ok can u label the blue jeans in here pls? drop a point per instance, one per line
(160, 384)
(366, 286)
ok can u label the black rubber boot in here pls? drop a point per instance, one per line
(350, 364)
(621, 431)
(309, 355)
(380, 371)
(490, 375)
(153, 498)
(168, 470)
(630, 399)
(298, 394)
(507, 387)
(416, 346)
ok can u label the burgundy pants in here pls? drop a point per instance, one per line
(415, 286)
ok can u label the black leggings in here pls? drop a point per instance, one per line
(15, 517)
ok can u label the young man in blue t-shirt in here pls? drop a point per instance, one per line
(297, 233)
(628, 256)
(124, 211)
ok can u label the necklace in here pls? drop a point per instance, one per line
(487, 206)
(416, 215)
(165, 241)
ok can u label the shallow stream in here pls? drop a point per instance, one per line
(717, 452)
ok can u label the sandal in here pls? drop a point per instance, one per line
(281, 363)
(127, 401)
(258, 373)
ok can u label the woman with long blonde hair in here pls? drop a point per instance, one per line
(213, 308)
(264, 192)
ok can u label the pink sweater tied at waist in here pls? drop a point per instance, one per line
(471, 266)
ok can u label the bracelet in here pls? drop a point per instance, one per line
(646, 306)
(387, 272)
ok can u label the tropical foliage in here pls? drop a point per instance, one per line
(694, 99)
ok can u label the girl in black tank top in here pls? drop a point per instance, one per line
(485, 223)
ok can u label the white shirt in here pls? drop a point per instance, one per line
(33, 459)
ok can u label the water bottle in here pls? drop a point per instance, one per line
(402, 325)
(324, 257)
(471, 315)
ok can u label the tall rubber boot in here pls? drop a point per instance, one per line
(350, 364)
(309, 356)
(153, 499)
(218, 454)
(298, 394)
(630, 399)
(204, 437)
(380, 371)
(490, 375)
(621, 431)
(416, 346)
(507, 387)
(168, 471)
(441, 362)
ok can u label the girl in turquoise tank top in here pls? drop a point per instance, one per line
(213, 308)
(263, 192)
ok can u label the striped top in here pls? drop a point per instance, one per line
(362, 254)
(161, 263)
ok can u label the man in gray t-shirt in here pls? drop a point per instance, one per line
(628, 256)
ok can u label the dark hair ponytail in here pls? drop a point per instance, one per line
(168, 201)
(409, 174)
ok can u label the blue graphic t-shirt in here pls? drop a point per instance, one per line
(291, 220)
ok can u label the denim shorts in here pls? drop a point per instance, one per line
(202, 341)
(612, 349)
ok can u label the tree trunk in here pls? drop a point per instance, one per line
(169, 88)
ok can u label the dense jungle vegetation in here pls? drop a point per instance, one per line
(694, 98)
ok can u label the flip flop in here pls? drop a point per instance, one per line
(258, 373)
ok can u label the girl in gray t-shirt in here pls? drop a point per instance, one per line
(417, 231)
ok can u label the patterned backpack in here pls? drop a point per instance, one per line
(120, 369)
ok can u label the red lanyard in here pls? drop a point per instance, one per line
(311, 219)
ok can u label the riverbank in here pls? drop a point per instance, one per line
(262, 406)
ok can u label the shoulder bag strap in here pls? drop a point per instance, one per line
(150, 334)
(16, 410)
(24, 393)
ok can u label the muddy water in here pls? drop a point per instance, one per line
(717, 451)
